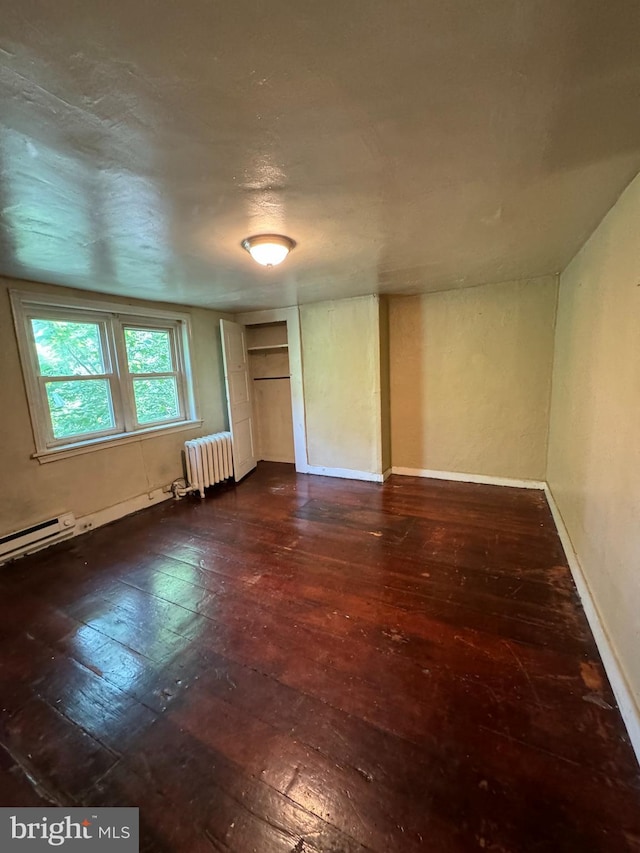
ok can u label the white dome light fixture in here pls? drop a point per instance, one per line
(269, 250)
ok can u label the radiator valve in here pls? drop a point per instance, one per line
(179, 489)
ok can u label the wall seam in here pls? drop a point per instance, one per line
(553, 370)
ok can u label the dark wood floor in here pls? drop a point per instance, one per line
(308, 664)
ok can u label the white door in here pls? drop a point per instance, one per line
(238, 382)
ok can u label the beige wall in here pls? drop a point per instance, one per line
(594, 440)
(385, 385)
(93, 481)
(341, 362)
(471, 378)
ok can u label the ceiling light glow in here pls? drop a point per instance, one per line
(269, 250)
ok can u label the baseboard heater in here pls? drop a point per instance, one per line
(209, 460)
(37, 536)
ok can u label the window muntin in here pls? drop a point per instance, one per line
(77, 394)
(96, 375)
(152, 359)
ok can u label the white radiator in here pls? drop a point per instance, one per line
(37, 536)
(209, 460)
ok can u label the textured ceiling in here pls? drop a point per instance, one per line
(406, 145)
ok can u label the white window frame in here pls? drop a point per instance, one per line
(112, 319)
(128, 378)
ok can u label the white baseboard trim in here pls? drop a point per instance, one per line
(625, 698)
(113, 513)
(386, 474)
(85, 523)
(344, 473)
(458, 477)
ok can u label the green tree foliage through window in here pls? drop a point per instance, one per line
(68, 349)
(65, 348)
(148, 351)
(156, 399)
(74, 351)
(78, 408)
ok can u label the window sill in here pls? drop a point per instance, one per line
(111, 441)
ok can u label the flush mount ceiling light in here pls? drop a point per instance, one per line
(268, 249)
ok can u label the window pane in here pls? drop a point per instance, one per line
(148, 350)
(68, 349)
(80, 406)
(156, 399)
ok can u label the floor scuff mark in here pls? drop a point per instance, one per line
(594, 699)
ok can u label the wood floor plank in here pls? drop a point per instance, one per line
(300, 663)
(526, 699)
(55, 751)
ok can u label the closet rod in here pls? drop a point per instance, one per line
(265, 378)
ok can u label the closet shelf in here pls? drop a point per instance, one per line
(269, 378)
(267, 347)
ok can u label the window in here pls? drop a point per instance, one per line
(95, 375)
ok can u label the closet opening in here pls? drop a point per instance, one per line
(268, 353)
